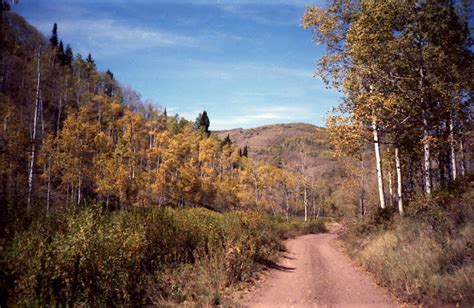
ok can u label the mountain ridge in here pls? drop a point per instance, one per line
(287, 145)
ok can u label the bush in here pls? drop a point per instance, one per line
(427, 255)
(140, 256)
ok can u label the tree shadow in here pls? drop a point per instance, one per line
(270, 264)
(288, 257)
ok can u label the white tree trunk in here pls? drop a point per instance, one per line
(426, 134)
(362, 188)
(60, 108)
(287, 210)
(303, 173)
(33, 135)
(378, 163)
(452, 143)
(305, 201)
(390, 186)
(79, 186)
(48, 196)
(463, 160)
(399, 181)
(426, 154)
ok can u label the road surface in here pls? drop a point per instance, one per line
(314, 273)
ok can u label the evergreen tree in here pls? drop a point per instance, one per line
(60, 53)
(111, 75)
(227, 141)
(90, 62)
(202, 123)
(54, 36)
(68, 55)
(245, 151)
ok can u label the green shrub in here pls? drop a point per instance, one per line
(141, 256)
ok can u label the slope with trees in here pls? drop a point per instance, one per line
(89, 172)
(406, 69)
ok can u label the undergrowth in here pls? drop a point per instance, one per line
(140, 257)
(425, 257)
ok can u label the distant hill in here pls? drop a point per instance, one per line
(281, 145)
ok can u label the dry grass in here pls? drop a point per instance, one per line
(422, 259)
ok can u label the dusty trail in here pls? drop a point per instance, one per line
(314, 273)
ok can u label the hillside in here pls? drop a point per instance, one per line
(287, 145)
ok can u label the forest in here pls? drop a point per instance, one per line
(107, 199)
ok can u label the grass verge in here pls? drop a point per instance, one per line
(425, 257)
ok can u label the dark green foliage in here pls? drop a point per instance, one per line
(68, 56)
(90, 63)
(226, 141)
(245, 151)
(54, 36)
(202, 123)
(108, 72)
(60, 53)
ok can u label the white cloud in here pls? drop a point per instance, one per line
(243, 71)
(257, 116)
(253, 10)
(109, 36)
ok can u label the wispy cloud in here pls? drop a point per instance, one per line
(213, 70)
(256, 116)
(253, 10)
(109, 36)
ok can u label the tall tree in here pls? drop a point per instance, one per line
(68, 56)
(398, 62)
(54, 36)
(202, 123)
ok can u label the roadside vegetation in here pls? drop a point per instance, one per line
(425, 257)
(141, 257)
(108, 200)
(404, 132)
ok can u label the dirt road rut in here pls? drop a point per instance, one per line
(314, 273)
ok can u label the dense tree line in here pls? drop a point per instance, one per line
(72, 136)
(406, 69)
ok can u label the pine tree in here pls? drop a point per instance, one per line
(205, 122)
(90, 63)
(227, 141)
(202, 123)
(68, 55)
(60, 53)
(245, 151)
(54, 36)
(111, 75)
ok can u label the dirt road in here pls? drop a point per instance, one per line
(314, 273)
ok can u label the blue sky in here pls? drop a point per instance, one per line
(247, 63)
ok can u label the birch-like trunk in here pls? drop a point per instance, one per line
(390, 186)
(426, 135)
(399, 181)
(452, 144)
(60, 108)
(79, 185)
(463, 160)
(378, 164)
(305, 201)
(287, 211)
(33, 136)
(48, 195)
(362, 189)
